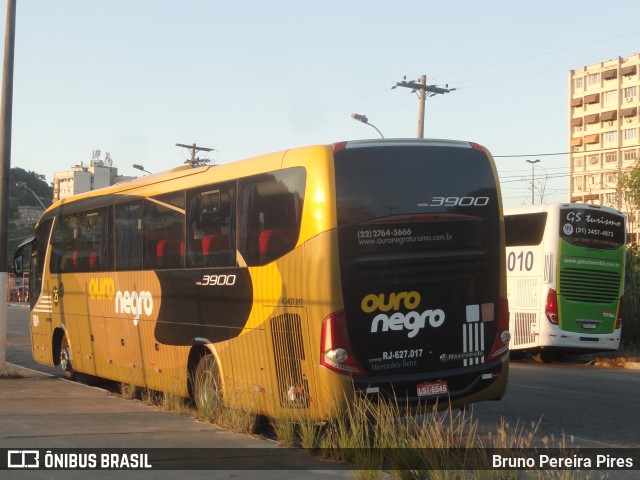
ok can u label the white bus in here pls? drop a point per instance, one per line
(565, 278)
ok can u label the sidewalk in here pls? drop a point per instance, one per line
(39, 411)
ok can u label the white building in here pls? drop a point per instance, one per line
(80, 179)
(604, 126)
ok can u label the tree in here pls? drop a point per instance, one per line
(629, 185)
(23, 197)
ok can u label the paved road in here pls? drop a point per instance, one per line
(597, 407)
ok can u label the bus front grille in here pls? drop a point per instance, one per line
(588, 285)
(288, 351)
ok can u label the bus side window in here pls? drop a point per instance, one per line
(128, 236)
(64, 244)
(163, 231)
(210, 226)
(93, 241)
(270, 212)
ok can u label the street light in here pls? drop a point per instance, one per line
(532, 162)
(140, 167)
(24, 185)
(365, 120)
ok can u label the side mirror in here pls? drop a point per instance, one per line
(18, 264)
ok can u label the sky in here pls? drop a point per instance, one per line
(135, 77)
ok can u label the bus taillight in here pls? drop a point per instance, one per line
(339, 146)
(501, 343)
(551, 307)
(336, 353)
(619, 320)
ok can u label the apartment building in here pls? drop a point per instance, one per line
(79, 179)
(603, 131)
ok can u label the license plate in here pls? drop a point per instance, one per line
(588, 325)
(433, 388)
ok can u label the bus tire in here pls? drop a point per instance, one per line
(207, 389)
(65, 359)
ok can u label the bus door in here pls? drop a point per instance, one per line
(31, 256)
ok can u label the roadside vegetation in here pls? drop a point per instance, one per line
(630, 341)
(379, 439)
(628, 355)
(10, 371)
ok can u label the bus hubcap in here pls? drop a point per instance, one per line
(65, 360)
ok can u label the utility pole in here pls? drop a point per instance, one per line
(532, 162)
(195, 161)
(6, 109)
(425, 91)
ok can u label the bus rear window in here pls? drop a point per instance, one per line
(415, 179)
(526, 229)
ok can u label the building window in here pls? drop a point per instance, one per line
(630, 92)
(577, 183)
(594, 180)
(593, 79)
(610, 199)
(577, 162)
(579, 82)
(610, 157)
(611, 179)
(630, 134)
(593, 159)
(611, 97)
(629, 155)
(610, 137)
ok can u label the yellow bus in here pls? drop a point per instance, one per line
(301, 278)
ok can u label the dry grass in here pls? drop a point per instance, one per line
(128, 391)
(10, 371)
(379, 436)
(620, 362)
(374, 437)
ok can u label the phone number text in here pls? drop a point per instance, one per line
(382, 233)
(594, 231)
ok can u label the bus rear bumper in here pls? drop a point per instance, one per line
(581, 342)
(465, 385)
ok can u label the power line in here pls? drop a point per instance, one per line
(542, 54)
(321, 124)
(557, 153)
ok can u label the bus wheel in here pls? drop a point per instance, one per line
(65, 359)
(207, 389)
